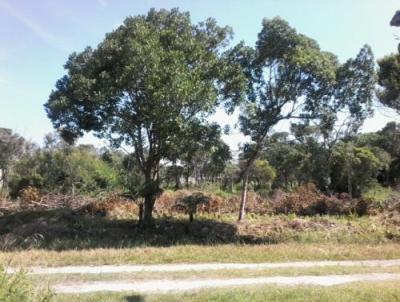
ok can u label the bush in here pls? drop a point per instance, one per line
(72, 170)
(308, 200)
(302, 201)
(17, 288)
(192, 201)
(378, 195)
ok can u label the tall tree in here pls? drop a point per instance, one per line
(386, 141)
(142, 85)
(289, 77)
(389, 81)
(357, 165)
(389, 75)
(11, 147)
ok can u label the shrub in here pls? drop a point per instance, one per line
(73, 170)
(30, 194)
(301, 201)
(17, 288)
(192, 201)
(308, 200)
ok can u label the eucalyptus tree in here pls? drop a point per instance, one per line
(11, 147)
(290, 78)
(385, 141)
(359, 165)
(143, 84)
(389, 75)
(389, 81)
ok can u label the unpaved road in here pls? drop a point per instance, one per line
(161, 286)
(166, 285)
(106, 269)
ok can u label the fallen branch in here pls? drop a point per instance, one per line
(39, 204)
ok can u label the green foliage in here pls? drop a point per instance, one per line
(290, 77)
(230, 177)
(262, 175)
(389, 81)
(285, 68)
(63, 169)
(287, 160)
(359, 165)
(130, 177)
(192, 201)
(11, 148)
(377, 193)
(18, 288)
(355, 84)
(173, 174)
(202, 152)
(144, 85)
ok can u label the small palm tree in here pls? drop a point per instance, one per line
(192, 201)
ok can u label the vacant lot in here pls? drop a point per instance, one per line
(108, 234)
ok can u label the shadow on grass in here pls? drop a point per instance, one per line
(134, 298)
(64, 229)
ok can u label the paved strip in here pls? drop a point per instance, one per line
(107, 269)
(161, 286)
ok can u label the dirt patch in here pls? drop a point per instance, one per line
(113, 269)
(152, 286)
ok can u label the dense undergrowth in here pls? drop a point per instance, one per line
(60, 222)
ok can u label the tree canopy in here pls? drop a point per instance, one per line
(290, 77)
(143, 85)
(389, 81)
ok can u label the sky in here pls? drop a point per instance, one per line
(38, 36)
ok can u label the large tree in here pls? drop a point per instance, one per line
(389, 81)
(142, 85)
(288, 78)
(389, 75)
(11, 147)
(355, 168)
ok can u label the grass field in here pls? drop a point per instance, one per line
(62, 237)
(200, 254)
(45, 280)
(362, 292)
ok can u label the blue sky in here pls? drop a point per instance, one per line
(37, 37)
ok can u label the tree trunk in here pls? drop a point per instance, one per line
(177, 182)
(187, 180)
(349, 170)
(4, 180)
(140, 213)
(149, 201)
(349, 185)
(244, 195)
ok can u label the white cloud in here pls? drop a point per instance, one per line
(36, 28)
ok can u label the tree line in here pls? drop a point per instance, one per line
(152, 83)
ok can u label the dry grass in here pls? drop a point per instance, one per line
(201, 254)
(49, 280)
(357, 292)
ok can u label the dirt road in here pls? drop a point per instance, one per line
(152, 285)
(106, 269)
(161, 286)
